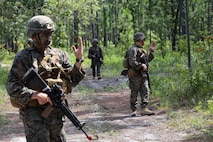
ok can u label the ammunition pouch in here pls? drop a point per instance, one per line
(53, 73)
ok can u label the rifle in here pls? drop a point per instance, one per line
(33, 80)
(145, 60)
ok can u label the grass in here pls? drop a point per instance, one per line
(186, 120)
(195, 123)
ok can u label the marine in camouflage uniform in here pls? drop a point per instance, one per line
(54, 67)
(96, 55)
(138, 59)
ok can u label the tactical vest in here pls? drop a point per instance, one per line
(51, 70)
(141, 57)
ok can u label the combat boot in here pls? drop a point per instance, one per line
(99, 77)
(146, 111)
(133, 114)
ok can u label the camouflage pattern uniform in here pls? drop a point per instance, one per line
(138, 82)
(49, 65)
(97, 61)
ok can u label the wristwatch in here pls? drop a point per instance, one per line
(79, 60)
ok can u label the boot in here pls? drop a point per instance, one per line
(99, 77)
(146, 111)
(133, 114)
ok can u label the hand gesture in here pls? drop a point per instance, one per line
(78, 51)
(152, 46)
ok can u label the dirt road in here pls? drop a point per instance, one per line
(106, 114)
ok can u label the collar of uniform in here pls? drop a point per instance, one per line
(138, 46)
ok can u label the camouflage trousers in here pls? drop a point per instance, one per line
(138, 85)
(96, 69)
(39, 129)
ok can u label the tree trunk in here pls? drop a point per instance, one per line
(92, 26)
(188, 35)
(105, 26)
(183, 18)
(76, 21)
(175, 22)
(150, 21)
(97, 26)
(209, 17)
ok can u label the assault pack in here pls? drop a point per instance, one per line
(126, 60)
(125, 64)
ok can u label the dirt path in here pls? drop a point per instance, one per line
(106, 114)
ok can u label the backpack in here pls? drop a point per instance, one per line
(126, 60)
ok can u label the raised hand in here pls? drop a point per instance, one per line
(78, 51)
(152, 46)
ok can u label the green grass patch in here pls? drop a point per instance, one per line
(192, 121)
(186, 120)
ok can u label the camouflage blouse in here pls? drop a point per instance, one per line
(46, 63)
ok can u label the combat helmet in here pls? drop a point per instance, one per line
(139, 36)
(38, 24)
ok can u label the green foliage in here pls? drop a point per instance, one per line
(112, 61)
(184, 121)
(206, 110)
(6, 57)
(3, 78)
(193, 120)
(173, 81)
(210, 105)
(120, 18)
